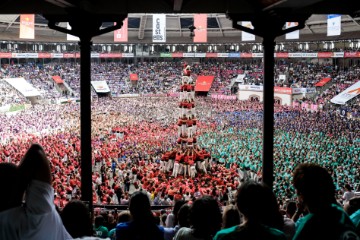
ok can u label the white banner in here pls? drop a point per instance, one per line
(348, 94)
(257, 55)
(100, 86)
(23, 87)
(159, 28)
(334, 25)
(251, 87)
(293, 34)
(240, 78)
(129, 55)
(188, 54)
(223, 55)
(338, 54)
(247, 36)
(70, 37)
(200, 54)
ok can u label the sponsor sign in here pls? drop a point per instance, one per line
(293, 34)
(334, 25)
(159, 28)
(200, 22)
(347, 94)
(23, 87)
(27, 30)
(121, 35)
(100, 86)
(247, 36)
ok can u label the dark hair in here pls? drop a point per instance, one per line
(99, 221)
(124, 216)
(291, 208)
(231, 216)
(76, 219)
(205, 217)
(178, 204)
(258, 204)
(314, 184)
(141, 214)
(9, 186)
(183, 216)
(348, 187)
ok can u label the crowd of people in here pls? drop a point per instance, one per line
(130, 136)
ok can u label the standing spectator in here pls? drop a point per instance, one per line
(348, 194)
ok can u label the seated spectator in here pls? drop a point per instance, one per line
(182, 221)
(123, 217)
(231, 217)
(352, 208)
(289, 224)
(76, 219)
(37, 218)
(326, 219)
(205, 220)
(100, 229)
(142, 225)
(261, 214)
(171, 220)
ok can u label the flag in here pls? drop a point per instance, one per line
(334, 25)
(200, 22)
(293, 34)
(247, 36)
(27, 30)
(159, 28)
(70, 37)
(121, 35)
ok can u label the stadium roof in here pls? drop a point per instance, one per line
(179, 17)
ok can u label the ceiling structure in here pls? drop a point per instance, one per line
(180, 17)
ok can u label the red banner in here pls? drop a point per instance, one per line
(69, 55)
(134, 77)
(245, 55)
(282, 55)
(322, 82)
(325, 54)
(57, 79)
(121, 35)
(27, 30)
(352, 54)
(203, 83)
(5, 55)
(177, 55)
(200, 22)
(211, 55)
(283, 90)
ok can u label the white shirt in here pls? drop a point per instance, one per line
(36, 220)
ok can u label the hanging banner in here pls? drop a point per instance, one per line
(294, 34)
(27, 30)
(159, 28)
(70, 37)
(348, 94)
(200, 22)
(121, 35)
(334, 25)
(247, 36)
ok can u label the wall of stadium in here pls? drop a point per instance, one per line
(283, 99)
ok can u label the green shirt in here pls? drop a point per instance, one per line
(249, 233)
(102, 232)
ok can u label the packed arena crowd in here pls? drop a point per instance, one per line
(130, 136)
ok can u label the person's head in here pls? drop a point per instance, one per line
(124, 216)
(139, 206)
(76, 219)
(231, 217)
(348, 187)
(314, 186)
(183, 216)
(352, 205)
(205, 217)
(290, 209)
(10, 187)
(258, 205)
(99, 221)
(178, 204)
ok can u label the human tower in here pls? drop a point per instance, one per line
(187, 158)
